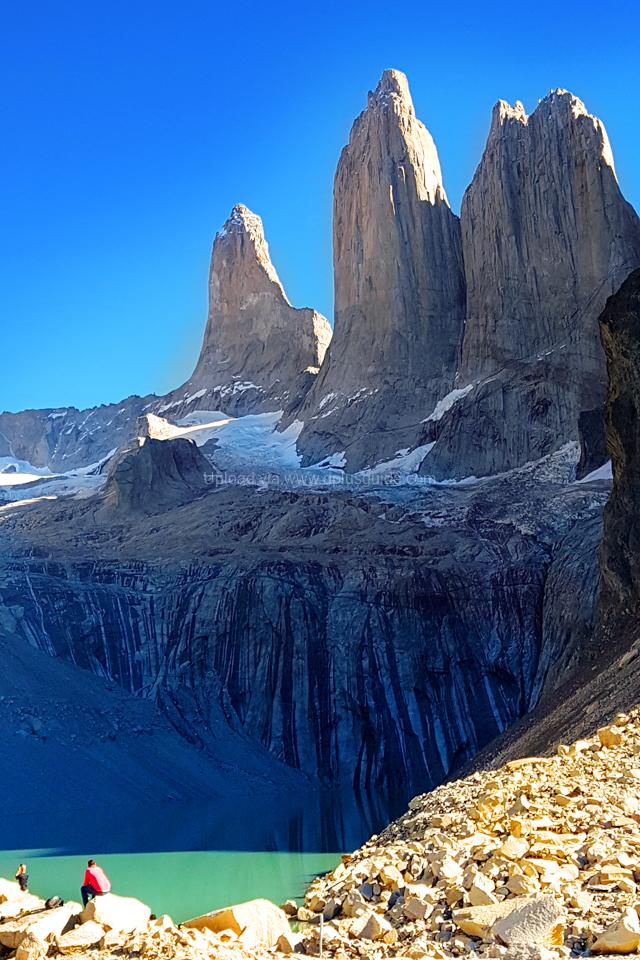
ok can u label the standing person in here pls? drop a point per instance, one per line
(23, 878)
(96, 882)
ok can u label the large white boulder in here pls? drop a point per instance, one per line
(257, 923)
(87, 935)
(123, 914)
(48, 923)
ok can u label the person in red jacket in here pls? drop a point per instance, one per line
(96, 882)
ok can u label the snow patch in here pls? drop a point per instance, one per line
(406, 461)
(605, 472)
(442, 406)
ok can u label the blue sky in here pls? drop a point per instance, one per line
(131, 128)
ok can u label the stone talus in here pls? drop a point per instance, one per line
(399, 287)
(533, 860)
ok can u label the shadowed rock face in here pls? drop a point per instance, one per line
(620, 554)
(399, 288)
(547, 237)
(602, 676)
(259, 353)
(372, 640)
(156, 475)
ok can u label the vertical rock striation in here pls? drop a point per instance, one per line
(259, 352)
(620, 554)
(547, 237)
(399, 287)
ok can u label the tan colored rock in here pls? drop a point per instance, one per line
(521, 885)
(82, 937)
(539, 921)
(259, 352)
(621, 936)
(371, 926)
(478, 921)
(32, 948)
(290, 907)
(514, 848)
(482, 891)
(258, 923)
(287, 943)
(417, 909)
(610, 736)
(49, 923)
(399, 288)
(123, 914)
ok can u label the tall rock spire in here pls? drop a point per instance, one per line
(399, 287)
(547, 237)
(259, 352)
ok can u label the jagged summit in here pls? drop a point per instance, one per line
(392, 83)
(399, 287)
(503, 113)
(242, 236)
(547, 237)
(259, 353)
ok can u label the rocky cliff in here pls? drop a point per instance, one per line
(259, 352)
(547, 237)
(374, 639)
(620, 555)
(399, 288)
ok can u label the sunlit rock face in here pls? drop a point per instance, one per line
(259, 352)
(547, 237)
(399, 288)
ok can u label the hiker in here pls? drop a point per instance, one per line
(23, 878)
(96, 882)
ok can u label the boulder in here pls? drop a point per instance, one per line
(478, 921)
(87, 935)
(289, 943)
(621, 936)
(48, 923)
(32, 948)
(122, 914)
(540, 921)
(258, 923)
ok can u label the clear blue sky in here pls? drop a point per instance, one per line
(129, 129)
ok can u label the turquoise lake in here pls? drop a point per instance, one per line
(182, 884)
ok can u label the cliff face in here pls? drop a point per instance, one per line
(369, 640)
(259, 352)
(620, 554)
(600, 676)
(399, 288)
(547, 237)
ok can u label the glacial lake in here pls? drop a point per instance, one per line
(188, 859)
(182, 884)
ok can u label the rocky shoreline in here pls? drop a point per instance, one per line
(112, 926)
(539, 859)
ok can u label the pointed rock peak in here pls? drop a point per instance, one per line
(565, 108)
(394, 86)
(504, 113)
(243, 220)
(244, 225)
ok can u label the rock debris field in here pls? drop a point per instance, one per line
(537, 860)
